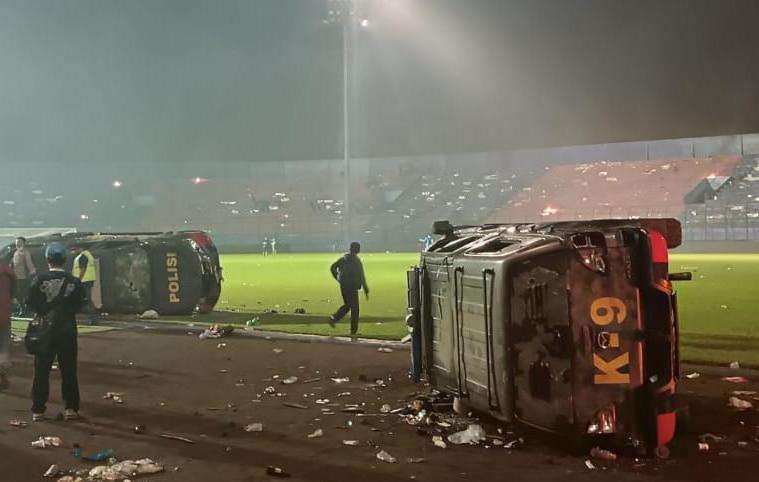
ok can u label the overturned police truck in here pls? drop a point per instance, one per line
(174, 273)
(569, 327)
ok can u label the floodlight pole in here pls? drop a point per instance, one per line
(346, 129)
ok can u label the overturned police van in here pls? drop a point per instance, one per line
(173, 273)
(568, 327)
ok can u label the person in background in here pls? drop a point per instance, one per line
(85, 269)
(7, 282)
(24, 270)
(273, 245)
(349, 272)
(265, 246)
(56, 296)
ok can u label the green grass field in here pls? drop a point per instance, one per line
(717, 309)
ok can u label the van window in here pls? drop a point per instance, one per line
(493, 246)
(455, 244)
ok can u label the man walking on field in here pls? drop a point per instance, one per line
(349, 272)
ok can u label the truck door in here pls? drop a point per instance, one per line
(541, 341)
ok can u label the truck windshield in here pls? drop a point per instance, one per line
(131, 281)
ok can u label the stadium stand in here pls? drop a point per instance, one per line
(711, 184)
(612, 189)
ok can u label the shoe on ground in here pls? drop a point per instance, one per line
(70, 414)
(38, 417)
(332, 321)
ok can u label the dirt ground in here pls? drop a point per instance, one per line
(173, 382)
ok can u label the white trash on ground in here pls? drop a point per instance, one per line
(736, 402)
(289, 380)
(386, 457)
(254, 427)
(438, 441)
(473, 435)
(46, 441)
(125, 469)
(735, 365)
(149, 315)
(316, 433)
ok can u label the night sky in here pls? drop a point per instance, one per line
(258, 80)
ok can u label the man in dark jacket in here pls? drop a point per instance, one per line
(349, 272)
(56, 296)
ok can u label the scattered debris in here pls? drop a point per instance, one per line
(295, 405)
(406, 339)
(352, 443)
(341, 380)
(322, 401)
(386, 457)
(589, 465)
(352, 409)
(252, 322)
(416, 460)
(116, 397)
(384, 349)
(17, 423)
(703, 447)
(744, 392)
(289, 380)
(276, 472)
(124, 469)
(736, 402)
(277, 351)
(742, 444)
(270, 390)
(316, 433)
(149, 315)
(140, 428)
(215, 331)
(735, 379)
(386, 408)
(735, 365)
(221, 345)
(312, 380)
(693, 375)
(45, 442)
(599, 453)
(514, 443)
(473, 435)
(52, 471)
(254, 427)
(172, 436)
(299, 311)
(437, 440)
(710, 437)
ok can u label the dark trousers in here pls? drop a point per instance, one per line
(64, 348)
(22, 287)
(350, 303)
